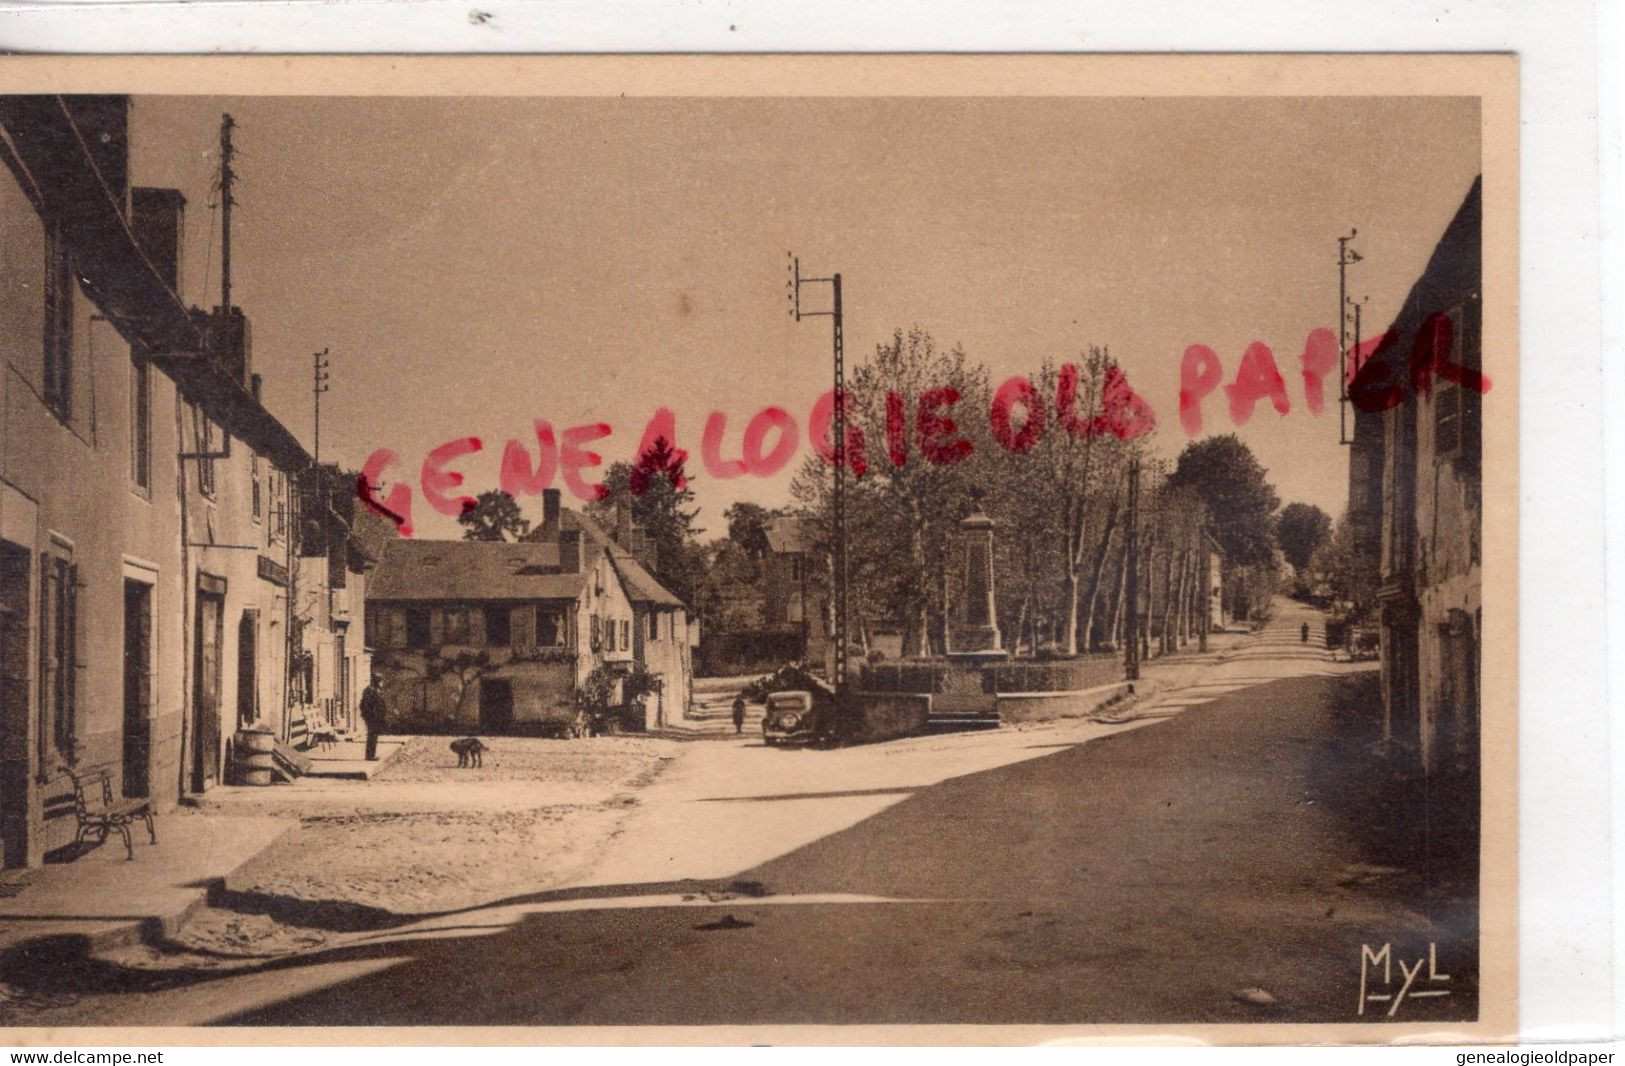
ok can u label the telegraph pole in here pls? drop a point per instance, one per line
(320, 488)
(318, 386)
(1346, 257)
(1131, 588)
(227, 175)
(838, 432)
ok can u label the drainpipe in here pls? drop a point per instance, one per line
(187, 586)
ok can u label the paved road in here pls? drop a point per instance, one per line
(1155, 870)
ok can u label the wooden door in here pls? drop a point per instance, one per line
(206, 692)
(496, 706)
(137, 688)
(15, 565)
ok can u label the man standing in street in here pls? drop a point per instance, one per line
(739, 714)
(373, 712)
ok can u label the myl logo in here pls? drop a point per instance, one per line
(1381, 962)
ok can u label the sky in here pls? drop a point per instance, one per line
(473, 265)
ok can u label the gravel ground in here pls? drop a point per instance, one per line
(369, 855)
(608, 761)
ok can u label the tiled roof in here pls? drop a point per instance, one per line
(641, 586)
(471, 570)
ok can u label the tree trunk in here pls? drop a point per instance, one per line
(1185, 598)
(1117, 606)
(1096, 572)
(1150, 576)
(1071, 632)
(1167, 640)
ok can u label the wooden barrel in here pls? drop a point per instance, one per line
(255, 740)
(255, 753)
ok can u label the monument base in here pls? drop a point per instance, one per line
(991, 655)
(975, 643)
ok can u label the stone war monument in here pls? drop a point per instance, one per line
(974, 636)
(977, 684)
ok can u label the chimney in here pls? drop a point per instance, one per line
(254, 381)
(550, 509)
(623, 526)
(642, 548)
(156, 217)
(570, 551)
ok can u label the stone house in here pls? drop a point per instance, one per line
(146, 547)
(497, 637)
(1415, 500)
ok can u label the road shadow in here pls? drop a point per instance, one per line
(1142, 877)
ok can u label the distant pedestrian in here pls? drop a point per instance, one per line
(739, 714)
(1303, 633)
(373, 712)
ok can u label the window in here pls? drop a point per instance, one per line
(798, 564)
(456, 625)
(549, 627)
(626, 634)
(203, 434)
(275, 506)
(59, 649)
(497, 633)
(417, 627)
(654, 625)
(373, 626)
(596, 631)
(258, 491)
(140, 424)
(58, 322)
(1456, 410)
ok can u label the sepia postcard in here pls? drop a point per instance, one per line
(758, 549)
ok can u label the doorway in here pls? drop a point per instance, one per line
(137, 688)
(14, 574)
(211, 609)
(248, 689)
(1459, 710)
(496, 706)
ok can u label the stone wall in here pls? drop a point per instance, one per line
(887, 716)
(1044, 706)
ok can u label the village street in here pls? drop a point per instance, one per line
(1202, 862)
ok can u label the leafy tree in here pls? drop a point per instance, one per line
(1060, 503)
(1300, 531)
(902, 518)
(728, 572)
(494, 516)
(655, 494)
(1240, 502)
(747, 527)
(1351, 572)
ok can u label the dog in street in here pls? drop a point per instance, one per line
(470, 752)
(325, 739)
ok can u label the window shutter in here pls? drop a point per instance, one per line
(71, 662)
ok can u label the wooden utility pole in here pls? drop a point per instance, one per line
(227, 175)
(1131, 591)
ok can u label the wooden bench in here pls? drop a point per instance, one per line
(102, 814)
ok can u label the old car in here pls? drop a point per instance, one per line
(791, 718)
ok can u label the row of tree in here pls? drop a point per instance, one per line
(1061, 504)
